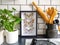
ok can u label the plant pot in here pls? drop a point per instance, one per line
(11, 37)
(1, 37)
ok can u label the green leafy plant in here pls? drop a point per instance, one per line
(9, 21)
(1, 25)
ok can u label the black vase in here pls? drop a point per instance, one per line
(52, 31)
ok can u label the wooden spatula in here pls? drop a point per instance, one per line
(52, 12)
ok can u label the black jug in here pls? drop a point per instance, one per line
(52, 31)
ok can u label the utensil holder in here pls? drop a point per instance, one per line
(52, 31)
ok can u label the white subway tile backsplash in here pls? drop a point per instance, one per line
(23, 5)
(59, 14)
(26, 8)
(46, 7)
(40, 20)
(42, 7)
(20, 1)
(37, 26)
(7, 1)
(59, 20)
(42, 26)
(17, 13)
(56, 17)
(58, 8)
(38, 16)
(44, 2)
(30, 1)
(0, 1)
(41, 32)
(17, 7)
(58, 32)
(55, 2)
(3, 6)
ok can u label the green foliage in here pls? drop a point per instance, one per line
(9, 21)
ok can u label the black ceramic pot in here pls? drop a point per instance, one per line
(51, 31)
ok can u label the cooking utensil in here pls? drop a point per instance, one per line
(52, 12)
(40, 12)
(56, 21)
(49, 12)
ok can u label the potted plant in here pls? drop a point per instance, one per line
(9, 22)
(1, 29)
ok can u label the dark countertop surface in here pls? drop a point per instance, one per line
(21, 40)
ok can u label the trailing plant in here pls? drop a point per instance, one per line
(9, 21)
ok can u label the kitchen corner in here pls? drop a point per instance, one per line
(29, 22)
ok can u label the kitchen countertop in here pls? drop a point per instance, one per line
(43, 41)
(21, 40)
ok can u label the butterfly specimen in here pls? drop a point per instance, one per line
(28, 22)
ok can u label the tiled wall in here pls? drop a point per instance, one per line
(25, 5)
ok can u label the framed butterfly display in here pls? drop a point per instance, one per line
(28, 23)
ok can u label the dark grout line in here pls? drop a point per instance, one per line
(41, 29)
(47, 5)
(26, 2)
(44, 8)
(29, 5)
(1, 2)
(40, 23)
(20, 7)
(14, 2)
(32, 8)
(7, 7)
(50, 2)
(38, 2)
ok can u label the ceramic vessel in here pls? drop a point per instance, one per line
(52, 31)
(1, 37)
(11, 37)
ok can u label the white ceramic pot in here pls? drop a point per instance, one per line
(1, 37)
(11, 37)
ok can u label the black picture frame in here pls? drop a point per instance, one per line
(21, 24)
